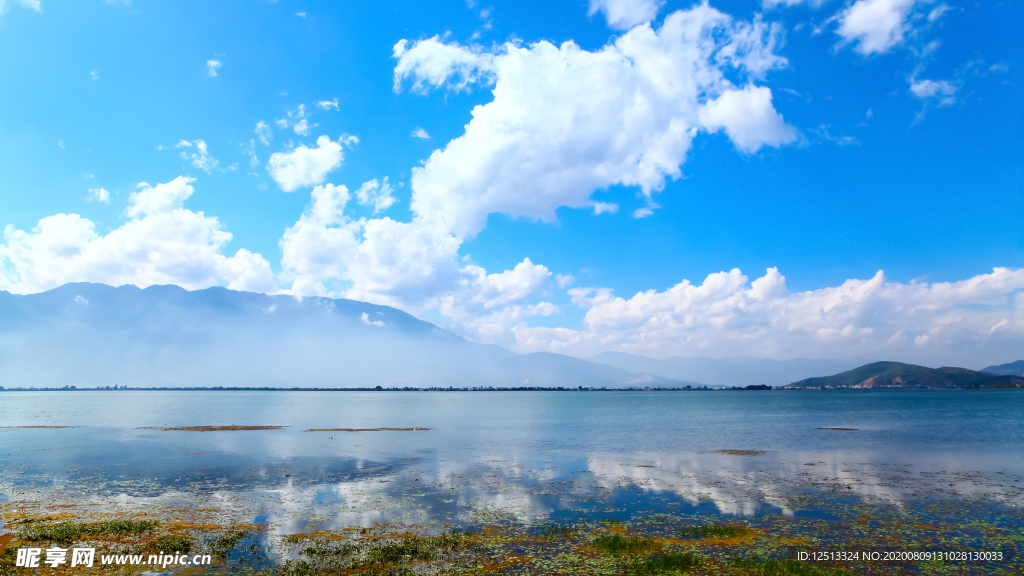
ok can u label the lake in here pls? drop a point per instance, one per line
(784, 471)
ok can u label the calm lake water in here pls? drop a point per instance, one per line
(529, 456)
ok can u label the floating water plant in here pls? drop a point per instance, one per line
(173, 545)
(713, 531)
(221, 546)
(616, 544)
(667, 564)
(552, 532)
(68, 532)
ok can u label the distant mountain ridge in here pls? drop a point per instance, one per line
(900, 375)
(97, 335)
(1010, 369)
(728, 371)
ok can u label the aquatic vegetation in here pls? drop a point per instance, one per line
(173, 545)
(604, 526)
(616, 544)
(327, 549)
(713, 531)
(667, 564)
(553, 531)
(372, 553)
(221, 546)
(68, 532)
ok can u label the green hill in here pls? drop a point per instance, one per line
(1011, 369)
(899, 375)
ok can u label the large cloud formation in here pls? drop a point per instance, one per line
(414, 266)
(566, 122)
(944, 323)
(160, 243)
(563, 124)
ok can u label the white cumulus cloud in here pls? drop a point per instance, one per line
(200, 158)
(748, 117)
(264, 132)
(298, 119)
(377, 194)
(940, 323)
(565, 122)
(328, 104)
(414, 266)
(420, 133)
(941, 91)
(161, 243)
(304, 166)
(99, 195)
(212, 66)
(624, 14)
(875, 25)
(769, 4)
(432, 64)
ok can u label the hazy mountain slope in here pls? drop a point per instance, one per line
(1011, 369)
(93, 335)
(553, 366)
(727, 372)
(897, 374)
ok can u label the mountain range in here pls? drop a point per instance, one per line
(899, 375)
(88, 335)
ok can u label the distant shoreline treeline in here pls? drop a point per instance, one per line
(394, 389)
(478, 389)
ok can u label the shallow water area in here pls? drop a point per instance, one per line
(922, 470)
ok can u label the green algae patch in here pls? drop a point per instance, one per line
(618, 544)
(68, 532)
(670, 563)
(713, 531)
(172, 545)
(552, 532)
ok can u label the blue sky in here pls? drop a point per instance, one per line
(842, 139)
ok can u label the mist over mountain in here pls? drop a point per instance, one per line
(729, 371)
(89, 335)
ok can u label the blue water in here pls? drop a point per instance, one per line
(529, 454)
(970, 426)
